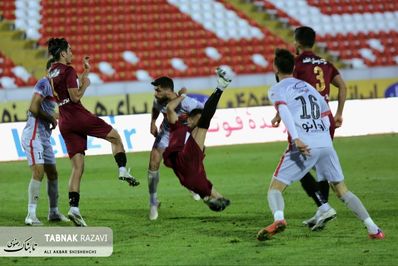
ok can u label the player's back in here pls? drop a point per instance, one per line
(308, 108)
(316, 71)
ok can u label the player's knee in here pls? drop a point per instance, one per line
(340, 189)
(37, 172)
(155, 159)
(114, 137)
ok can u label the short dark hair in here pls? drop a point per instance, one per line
(56, 46)
(195, 112)
(50, 62)
(305, 36)
(164, 82)
(284, 61)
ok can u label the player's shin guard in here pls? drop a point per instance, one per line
(312, 189)
(121, 159)
(209, 109)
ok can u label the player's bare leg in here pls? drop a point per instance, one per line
(74, 189)
(356, 206)
(120, 157)
(54, 215)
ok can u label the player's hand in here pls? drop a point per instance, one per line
(182, 91)
(86, 64)
(276, 120)
(85, 82)
(54, 123)
(338, 120)
(303, 148)
(154, 130)
(223, 79)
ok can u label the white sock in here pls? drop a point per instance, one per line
(122, 169)
(324, 207)
(75, 209)
(33, 194)
(278, 215)
(54, 210)
(276, 203)
(153, 180)
(371, 226)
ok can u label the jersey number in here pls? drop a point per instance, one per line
(315, 109)
(320, 86)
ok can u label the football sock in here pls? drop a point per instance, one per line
(74, 198)
(371, 226)
(33, 192)
(324, 207)
(324, 189)
(121, 159)
(355, 205)
(311, 187)
(209, 109)
(52, 191)
(276, 203)
(153, 180)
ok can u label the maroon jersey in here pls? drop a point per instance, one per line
(75, 121)
(64, 77)
(185, 157)
(316, 71)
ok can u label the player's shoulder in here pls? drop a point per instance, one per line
(42, 84)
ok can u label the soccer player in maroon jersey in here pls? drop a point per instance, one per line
(320, 74)
(186, 145)
(76, 122)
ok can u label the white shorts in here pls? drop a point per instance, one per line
(162, 140)
(293, 166)
(38, 150)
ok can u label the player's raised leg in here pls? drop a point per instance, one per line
(120, 157)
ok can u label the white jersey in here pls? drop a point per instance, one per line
(308, 109)
(183, 109)
(36, 134)
(35, 125)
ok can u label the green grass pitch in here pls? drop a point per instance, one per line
(188, 233)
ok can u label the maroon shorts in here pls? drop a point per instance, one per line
(75, 130)
(188, 167)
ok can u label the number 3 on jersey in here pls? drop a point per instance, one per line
(320, 86)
